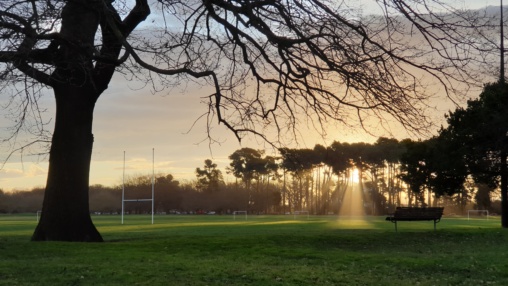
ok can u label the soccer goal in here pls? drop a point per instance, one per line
(235, 213)
(478, 212)
(138, 200)
(299, 213)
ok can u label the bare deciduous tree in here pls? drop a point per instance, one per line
(268, 62)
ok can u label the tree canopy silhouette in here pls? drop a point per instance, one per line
(479, 133)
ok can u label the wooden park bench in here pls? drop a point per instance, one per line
(416, 214)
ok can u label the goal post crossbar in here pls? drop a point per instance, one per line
(139, 200)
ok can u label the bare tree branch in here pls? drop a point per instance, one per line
(271, 62)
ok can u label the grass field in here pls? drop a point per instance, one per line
(262, 250)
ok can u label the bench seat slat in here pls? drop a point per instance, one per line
(415, 218)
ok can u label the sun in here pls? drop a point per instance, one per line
(355, 176)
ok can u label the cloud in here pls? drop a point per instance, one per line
(33, 170)
(10, 173)
(22, 176)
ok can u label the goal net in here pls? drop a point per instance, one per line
(301, 213)
(235, 213)
(477, 214)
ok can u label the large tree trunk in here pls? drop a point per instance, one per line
(65, 211)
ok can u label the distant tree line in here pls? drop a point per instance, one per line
(390, 173)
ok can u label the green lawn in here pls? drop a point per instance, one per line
(262, 250)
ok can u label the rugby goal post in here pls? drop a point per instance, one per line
(138, 200)
(239, 212)
(298, 213)
(477, 211)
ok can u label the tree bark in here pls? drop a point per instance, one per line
(65, 211)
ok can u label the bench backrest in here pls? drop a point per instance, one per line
(423, 213)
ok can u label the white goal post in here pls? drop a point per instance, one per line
(478, 211)
(239, 212)
(295, 213)
(138, 200)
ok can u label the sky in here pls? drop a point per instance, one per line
(158, 132)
